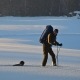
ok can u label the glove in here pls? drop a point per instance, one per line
(60, 44)
(54, 44)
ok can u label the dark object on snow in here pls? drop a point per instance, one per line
(48, 29)
(20, 64)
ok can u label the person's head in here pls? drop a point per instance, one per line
(22, 63)
(56, 31)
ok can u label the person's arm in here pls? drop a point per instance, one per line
(50, 39)
(58, 44)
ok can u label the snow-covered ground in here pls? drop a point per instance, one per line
(19, 40)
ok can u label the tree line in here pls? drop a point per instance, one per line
(38, 7)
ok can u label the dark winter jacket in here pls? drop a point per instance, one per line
(52, 39)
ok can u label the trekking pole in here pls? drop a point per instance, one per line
(58, 49)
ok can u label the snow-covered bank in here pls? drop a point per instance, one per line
(11, 49)
(11, 53)
(38, 73)
(19, 40)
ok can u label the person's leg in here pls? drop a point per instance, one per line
(53, 56)
(45, 53)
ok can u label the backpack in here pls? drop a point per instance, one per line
(47, 30)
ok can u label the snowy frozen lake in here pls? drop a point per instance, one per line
(19, 40)
(30, 28)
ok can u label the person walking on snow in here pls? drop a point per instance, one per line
(47, 47)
